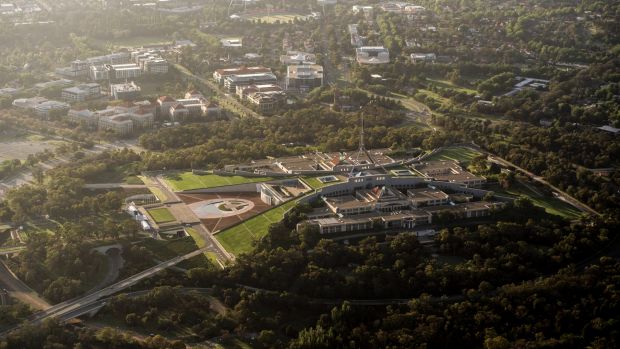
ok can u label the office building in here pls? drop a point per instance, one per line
(126, 91)
(81, 92)
(304, 77)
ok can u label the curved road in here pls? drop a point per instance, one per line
(67, 308)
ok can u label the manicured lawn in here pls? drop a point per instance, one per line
(200, 242)
(159, 193)
(551, 204)
(283, 18)
(314, 182)
(460, 154)
(131, 41)
(450, 85)
(198, 239)
(188, 180)
(165, 250)
(238, 239)
(161, 215)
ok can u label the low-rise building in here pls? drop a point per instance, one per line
(164, 103)
(449, 171)
(220, 74)
(423, 57)
(49, 109)
(126, 91)
(243, 91)
(379, 202)
(119, 119)
(28, 103)
(194, 106)
(123, 71)
(304, 76)
(231, 82)
(427, 197)
(98, 73)
(298, 57)
(366, 10)
(266, 102)
(232, 42)
(54, 84)
(81, 92)
(118, 123)
(212, 109)
(8, 91)
(178, 112)
(84, 117)
(150, 61)
(372, 55)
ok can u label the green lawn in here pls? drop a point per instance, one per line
(551, 204)
(200, 242)
(198, 239)
(132, 41)
(460, 154)
(314, 182)
(165, 250)
(283, 18)
(188, 180)
(159, 193)
(238, 239)
(450, 85)
(161, 215)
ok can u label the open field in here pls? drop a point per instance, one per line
(189, 180)
(450, 85)
(133, 41)
(20, 148)
(460, 154)
(161, 215)
(239, 238)
(275, 17)
(551, 204)
(159, 193)
(201, 242)
(164, 250)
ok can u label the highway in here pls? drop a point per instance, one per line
(564, 196)
(16, 288)
(69, 309)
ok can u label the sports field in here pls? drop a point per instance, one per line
(282, 17)
(239, 238)
(460, 154)
(189, 181)
(161, 215)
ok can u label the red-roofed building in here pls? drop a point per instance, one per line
(178, 112)
(164, 103)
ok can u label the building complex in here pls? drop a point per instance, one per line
(304, 77)
(122, 120)
(383, 202)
